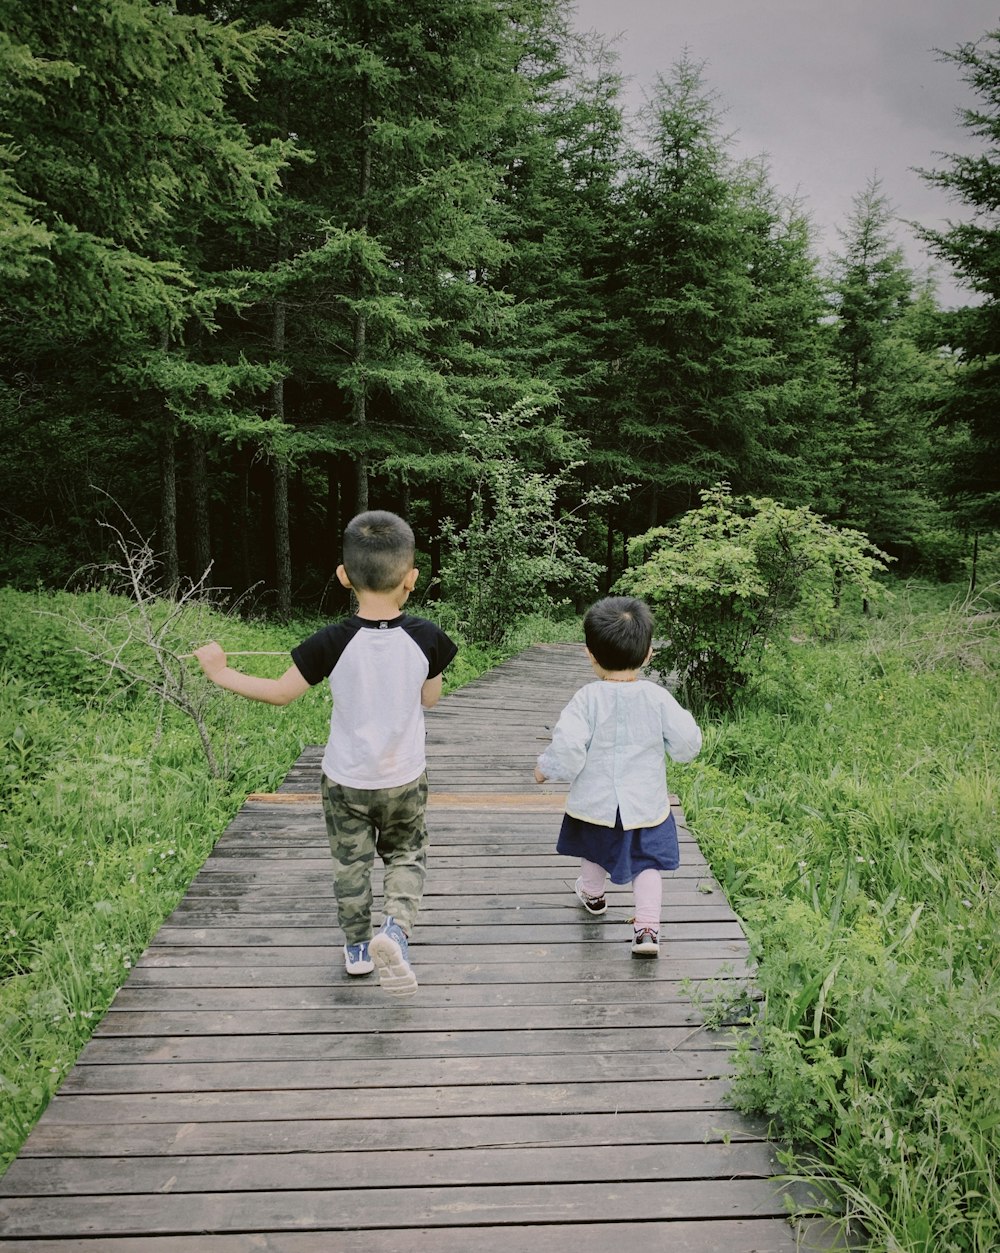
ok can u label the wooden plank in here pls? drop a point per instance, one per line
(260, 1172)
(526, 802)
(399, 1208)
(743, 1235)
(418, 1102)
(379, 1072)
(396, 1134)
(345, 1045)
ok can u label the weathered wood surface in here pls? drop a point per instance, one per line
(542, 1091)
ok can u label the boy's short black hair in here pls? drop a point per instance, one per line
(619, 631)
(378, 551)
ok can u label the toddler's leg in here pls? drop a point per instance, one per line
(647, 888)
(351, 831)
(592, 878)
(589, 888)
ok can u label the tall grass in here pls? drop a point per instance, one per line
(851, 810)
(107, 810)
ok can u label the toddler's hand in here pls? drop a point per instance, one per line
(539, 777)
(212, 659)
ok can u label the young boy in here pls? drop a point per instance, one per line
(384, 668)
(609, 743)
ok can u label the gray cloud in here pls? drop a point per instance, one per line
(832, 91)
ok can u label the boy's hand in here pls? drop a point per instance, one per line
(212, 659)
(539, 777)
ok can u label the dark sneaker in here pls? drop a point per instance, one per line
(592, 904)
(645, 943)
(391, 955)
(357, 959)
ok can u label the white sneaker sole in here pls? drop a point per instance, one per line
(395, 973)
(358, 968)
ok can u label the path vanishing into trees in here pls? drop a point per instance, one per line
(542, 1091)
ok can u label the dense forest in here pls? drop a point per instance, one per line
(269, 262)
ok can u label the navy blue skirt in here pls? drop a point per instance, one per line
(623, 854)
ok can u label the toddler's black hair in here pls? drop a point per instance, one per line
(619, 631)
(378, 551)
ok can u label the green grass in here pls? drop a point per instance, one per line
(850, 808)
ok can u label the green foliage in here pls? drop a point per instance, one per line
(850, 809)
(724, 578)
(519, 554)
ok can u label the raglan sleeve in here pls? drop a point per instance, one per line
(317, 655)
(564, 758)
(681, 734)
(440, 654)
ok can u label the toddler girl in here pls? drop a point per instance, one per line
(609, 744)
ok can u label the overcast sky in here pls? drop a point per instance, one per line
(833, 92)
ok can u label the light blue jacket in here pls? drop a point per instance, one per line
(609, 745)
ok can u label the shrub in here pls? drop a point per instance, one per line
(723, 578)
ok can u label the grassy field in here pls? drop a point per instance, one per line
(850, 809)
(848, 805)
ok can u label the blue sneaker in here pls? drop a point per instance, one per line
(390, 952)
(357, 960)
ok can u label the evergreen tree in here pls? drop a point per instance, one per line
(972, 401)
(881, 424)
(721, 370)
(124, 147)
(368, 300)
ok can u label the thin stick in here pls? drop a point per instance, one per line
(283, 653)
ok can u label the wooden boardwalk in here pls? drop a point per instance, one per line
(542, 1091)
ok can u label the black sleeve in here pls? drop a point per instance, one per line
(437, 647)
(317, 655)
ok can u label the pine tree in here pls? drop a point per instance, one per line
(881, 424)
(126, 153)
(972, 401)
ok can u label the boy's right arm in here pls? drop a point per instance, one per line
(281, 691)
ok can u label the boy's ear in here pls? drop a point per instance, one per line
(410, 582)
(342, 577)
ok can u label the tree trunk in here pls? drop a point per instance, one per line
(434, 540)
(609, 559)
(168, 513)
(282, 544)
(243, 521)
(359, 409)
(199, 499)
(168, 496)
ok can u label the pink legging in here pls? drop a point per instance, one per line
(647, 888)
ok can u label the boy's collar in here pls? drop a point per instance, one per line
(380, 624)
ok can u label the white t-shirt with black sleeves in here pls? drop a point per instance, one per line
(376, 670)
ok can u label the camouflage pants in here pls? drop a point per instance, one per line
(388, 821)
